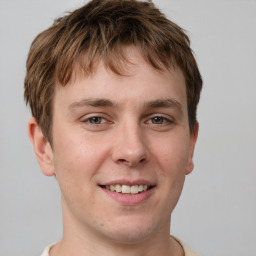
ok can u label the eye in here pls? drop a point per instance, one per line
(158, 120)
(96, 120)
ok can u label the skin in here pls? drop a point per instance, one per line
(132, 134)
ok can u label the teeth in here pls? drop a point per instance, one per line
(126, 189)
(135, 189)
(141, 188)
(118, 188)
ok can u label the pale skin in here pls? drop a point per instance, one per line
(112, 129)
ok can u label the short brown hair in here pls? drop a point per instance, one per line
(99, 31)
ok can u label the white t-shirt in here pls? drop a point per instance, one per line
(187, 251)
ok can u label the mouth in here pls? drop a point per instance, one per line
(129, 193)
(127, 189)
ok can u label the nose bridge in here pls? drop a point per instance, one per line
(130, 145)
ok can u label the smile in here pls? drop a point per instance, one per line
(126, 189)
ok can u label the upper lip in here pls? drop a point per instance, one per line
(128, 182)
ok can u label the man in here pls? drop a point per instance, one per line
(113, 88)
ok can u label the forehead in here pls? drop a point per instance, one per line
(123, 62)
(140, 81)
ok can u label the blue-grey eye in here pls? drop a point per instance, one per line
(95, 120)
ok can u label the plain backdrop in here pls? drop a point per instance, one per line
(216, 214)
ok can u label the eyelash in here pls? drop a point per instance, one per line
(90, 121)
(150, 121)
(163, 120)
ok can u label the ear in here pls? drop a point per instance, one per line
(193, 138)
(42, 147)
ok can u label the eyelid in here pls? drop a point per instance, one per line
(167, 118)
(86, 118)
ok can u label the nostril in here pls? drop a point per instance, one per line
(131, 162)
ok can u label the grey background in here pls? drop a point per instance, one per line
(217, 210)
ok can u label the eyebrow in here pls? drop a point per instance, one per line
(101, 102)
(164, 103)
(93, 103)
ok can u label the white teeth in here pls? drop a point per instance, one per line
(118, 188)
(126, 189)
(141, 188)
(134, 189)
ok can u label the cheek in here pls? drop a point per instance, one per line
(172, 153)
(74, 165)
(172, 158)
(78, 157)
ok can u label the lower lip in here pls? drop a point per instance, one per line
(129, 199)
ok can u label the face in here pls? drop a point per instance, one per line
(121, 150)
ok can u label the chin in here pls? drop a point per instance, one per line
(126, 237)
(132, 231)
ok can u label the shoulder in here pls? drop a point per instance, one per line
(186, 250)
(47, 250)
(189, 252)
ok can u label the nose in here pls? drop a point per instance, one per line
(130, 146)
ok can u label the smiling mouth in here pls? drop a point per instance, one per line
(126, 189)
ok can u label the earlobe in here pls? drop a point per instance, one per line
(193, 139)
(42, 147)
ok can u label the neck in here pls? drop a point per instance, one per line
(90, 248)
